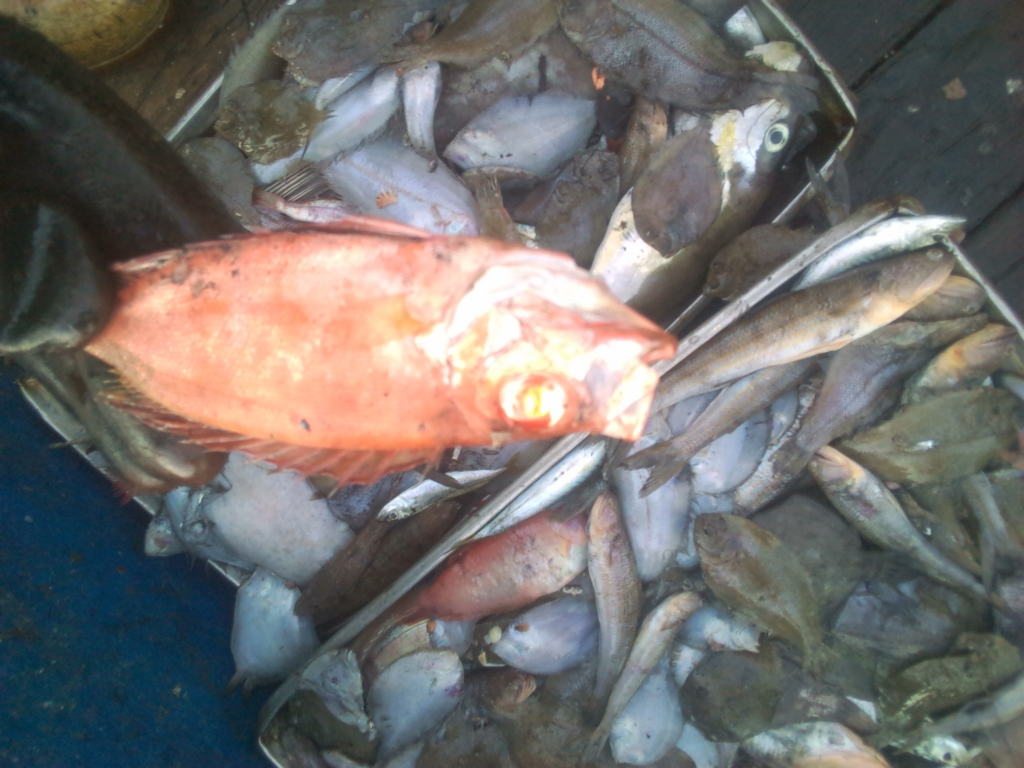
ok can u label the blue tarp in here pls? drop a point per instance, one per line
(107, 657)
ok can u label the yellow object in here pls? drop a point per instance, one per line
(95, 32)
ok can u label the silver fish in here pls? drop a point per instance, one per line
(196, 532)
(533, 135)
(334, 87)
(551, 638)
(421, 88)
(428, 492)
(269, 518)
(268, 641)
(355, 117)
(412, 697)
(872, 509)
(652, 642)
(733, 406)
(730, 459)
(657, 523)
(557, 483)
(391, 180)
(887, 238)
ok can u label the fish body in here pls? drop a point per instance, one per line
(751, 256)
(966, 362)
(652, 642)
(766, 482)
(281, 345)
(412, 697)
(161, 540)
(912, 334)
(872, 509)
(952, 435)
(393, 181)
(507, 571)
(814, 745)
(269, 121)
(804, 323)
(571, 211)
(617, 592)
(645, 133)
(651, 722)
(887, 238)
(666, 51)
(714, 630)
(1003, 706)
(268, 641)
(354, 117)
(957, 297)
(334, 87)
(421, 496)
(553, 486)
(421, 89)
(526, 134)
(225, 170)
(726, 462)
(486, 28)
(551, 638)
(753, 572)
(733, 406)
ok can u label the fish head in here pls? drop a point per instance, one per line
(712, 533)
(905, 281)
(752, 143)
(537, 347)
(585, 20)
(832, 469)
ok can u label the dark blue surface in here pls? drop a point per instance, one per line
(107, 657)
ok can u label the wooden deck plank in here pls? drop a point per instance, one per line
(188, 54)
(856, 36)
(962, 156)
(999, 240)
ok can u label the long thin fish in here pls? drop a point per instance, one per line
(809, 322)
(617, 590)
(557, 483)
(872, 509)
(733, 406)
(903, 233)
(421, 496)
(653, 640)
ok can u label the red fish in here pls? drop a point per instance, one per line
(360, 353)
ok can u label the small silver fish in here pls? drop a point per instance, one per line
(428, 492)
(355, 117)
(651, 722)
(887, 238)
(161, 540)
(554, 485)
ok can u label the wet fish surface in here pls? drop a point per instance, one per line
(751, 570)
(804, 323)
(617, 592)
(666, 51)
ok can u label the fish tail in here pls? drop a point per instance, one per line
(594, 747)
(662, 474)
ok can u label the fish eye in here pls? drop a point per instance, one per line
(534, 401)
(777, 137)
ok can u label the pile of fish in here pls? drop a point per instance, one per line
(814, 554)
